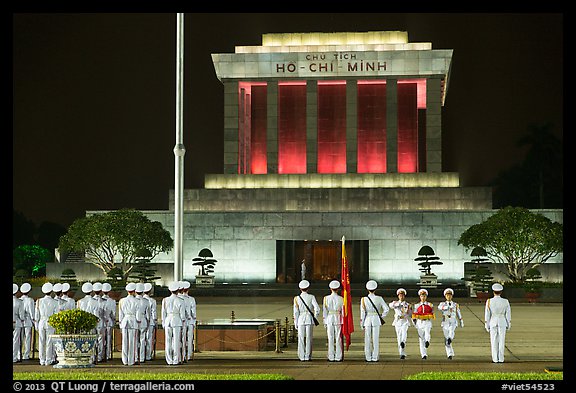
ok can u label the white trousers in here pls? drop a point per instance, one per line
(305, 342)
(187, 342)
(497, 341)
(449, 330)
(101, 332)
(150, 342)
(45, 346)
(424, 327)
(129, 346)
(16, 343)
(372, 343)
(402, 337)
(173, 344)
(27, 344)
(142, 338)
(108, 342)
(334, 333)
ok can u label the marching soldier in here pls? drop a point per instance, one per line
(143, 323)
(332, 315)
(173, 318)
(70, 302)
(29, 311)
(305, 311)
(45, 307)
(402, 320)
(450, 316)
(497, 320)
(129, 316)
(151, 333)
(17, 324)
(422, 316)
(373, 309)
(110, 320)
(188, 328)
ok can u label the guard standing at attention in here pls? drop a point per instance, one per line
(110, 314)
(45, 308)
(29, 311)
(306, 310)
(450, 316)
(151, 333)
(332, 315)
(173, 318)
(423, 315)
(129, 316)
(143, 323)
(190, 323)
(497, 320)
(82, 304)
(70, 303)
(17, 323)
(402, 320)
(373, 310)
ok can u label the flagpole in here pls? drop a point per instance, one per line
(179, 151)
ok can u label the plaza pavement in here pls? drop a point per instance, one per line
(534, 344)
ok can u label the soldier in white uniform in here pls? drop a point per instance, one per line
(450, 316)
(87, 290)
(70, 302)
(29, 314)
(17, 324)
(332, 315)
(305, 309)
(129, 316)
(95, 305)
(45, 307)
(423, 314)
(142, 335)
(188, 328)
(150, 335)
(110, 313)
(372, 307)
(497, 320)
(402, 320)
(57, 291)
(173, 318)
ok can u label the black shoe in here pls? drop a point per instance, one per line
(402, 345)
(402, 357)
(448, 341)
(427, 344)
(450, 357)
(424, 357)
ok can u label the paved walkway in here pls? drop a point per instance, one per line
(534, 343)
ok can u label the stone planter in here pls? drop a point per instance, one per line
(74, 350)
(204, 281)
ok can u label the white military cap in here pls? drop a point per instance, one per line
(423, 291)
(14, 288)
(140, 287)
(25, 288)
(448, 290)
(87, 287)
(47, 288)
(334, 284)
(371, 285)
(303, 284)
(65, 287)
(97, 286)
(400, 290)
(180, 284)
(130, 287)
(57, 287)
(186, 284)
(497, 287)
(147, 286)
(173, 286)
(106, 287)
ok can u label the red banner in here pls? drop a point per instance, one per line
(348, 320)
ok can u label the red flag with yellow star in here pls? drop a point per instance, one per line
(348, 320)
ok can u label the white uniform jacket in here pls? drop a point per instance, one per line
(153, 312)
(450, 313)
(173, 311)
(402, 313)
(45, 307)
(369, 314)
(17, 312)
(301, 314)
(497, 313)
(332, 309)
(129, 312)
(28, 310)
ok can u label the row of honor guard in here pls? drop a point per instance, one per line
(373, 310)
(137, 319)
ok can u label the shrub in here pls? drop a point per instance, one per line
(74, 321)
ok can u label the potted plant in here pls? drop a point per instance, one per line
(73, 340)
(427, 279)
(206, 262)
(532, 285)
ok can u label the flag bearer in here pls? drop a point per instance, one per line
(498, 318)
(373, 309)
(305, 310)
(423, 315)
(332, 314)
(450, 316)
(402, 320)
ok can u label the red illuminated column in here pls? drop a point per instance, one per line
(331, 127)
(292, 127)
(407, 127)
(371, 127)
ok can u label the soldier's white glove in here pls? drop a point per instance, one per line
(461, 323)
(487, 327)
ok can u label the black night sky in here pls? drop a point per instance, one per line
(94, 97)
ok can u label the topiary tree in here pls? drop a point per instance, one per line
(517, 237)
(143, 270)
(427, 256)
(205, 261)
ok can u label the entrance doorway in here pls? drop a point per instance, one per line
(322, 260)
